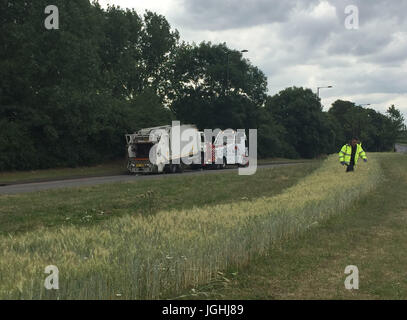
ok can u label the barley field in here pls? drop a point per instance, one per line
(161, 255)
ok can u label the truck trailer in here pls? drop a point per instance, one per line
(172, 149)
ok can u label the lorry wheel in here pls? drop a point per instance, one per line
(223, 165)
(243, 165)
(180, 168)
(202, 159)
(173, 168)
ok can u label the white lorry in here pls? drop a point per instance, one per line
(173, 148)
(166, 148)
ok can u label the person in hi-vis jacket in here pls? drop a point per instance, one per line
(350, 153)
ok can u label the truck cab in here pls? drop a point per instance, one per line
(166, 148)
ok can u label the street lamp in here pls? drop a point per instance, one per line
(328, 87)
(365, 104)
(227, 68)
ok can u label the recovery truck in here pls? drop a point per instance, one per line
(153, 150)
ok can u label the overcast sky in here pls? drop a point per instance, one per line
(305, 42)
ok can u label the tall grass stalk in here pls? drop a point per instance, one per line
(148, 257)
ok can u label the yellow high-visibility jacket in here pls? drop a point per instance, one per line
(346, 153)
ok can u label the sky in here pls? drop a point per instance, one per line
(357, 46)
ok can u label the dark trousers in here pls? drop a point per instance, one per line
(350, 167)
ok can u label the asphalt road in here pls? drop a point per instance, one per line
(46, 185)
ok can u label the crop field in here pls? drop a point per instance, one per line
(164, 151)
(370, 234)
(161, 254)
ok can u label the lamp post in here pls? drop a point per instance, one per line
(227, 68)
(319, 88)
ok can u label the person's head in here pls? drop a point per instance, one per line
(354, 141)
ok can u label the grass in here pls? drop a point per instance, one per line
(162, 254)
(108, 168)
(370, 234)
(282, 160)
(95, 204)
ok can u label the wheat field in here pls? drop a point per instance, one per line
(149, 257)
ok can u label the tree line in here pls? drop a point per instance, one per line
(68, 96)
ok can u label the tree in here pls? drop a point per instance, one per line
(68, 96)
(201, 95)
(396, 125)
(300, 112)
(377, 131)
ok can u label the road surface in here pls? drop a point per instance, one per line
(46, 185)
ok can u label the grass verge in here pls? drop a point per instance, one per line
(85, 206)
(147, 257)
(283, 160)
(370, 234)
(109, 168)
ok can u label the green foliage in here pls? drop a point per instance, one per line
(377, 131)
(68, 96)
(216, 87)
(309, 130)
(396, 125)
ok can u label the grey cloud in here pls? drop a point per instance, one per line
(294, 20)
(361, 79)
(305, 48)
(358, 42)
(232, 14)
(373, 9)
(293, 45)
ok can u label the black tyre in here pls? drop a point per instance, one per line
(173, 168)
(223, 165)
(180, 168)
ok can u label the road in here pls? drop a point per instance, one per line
(67, 183)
